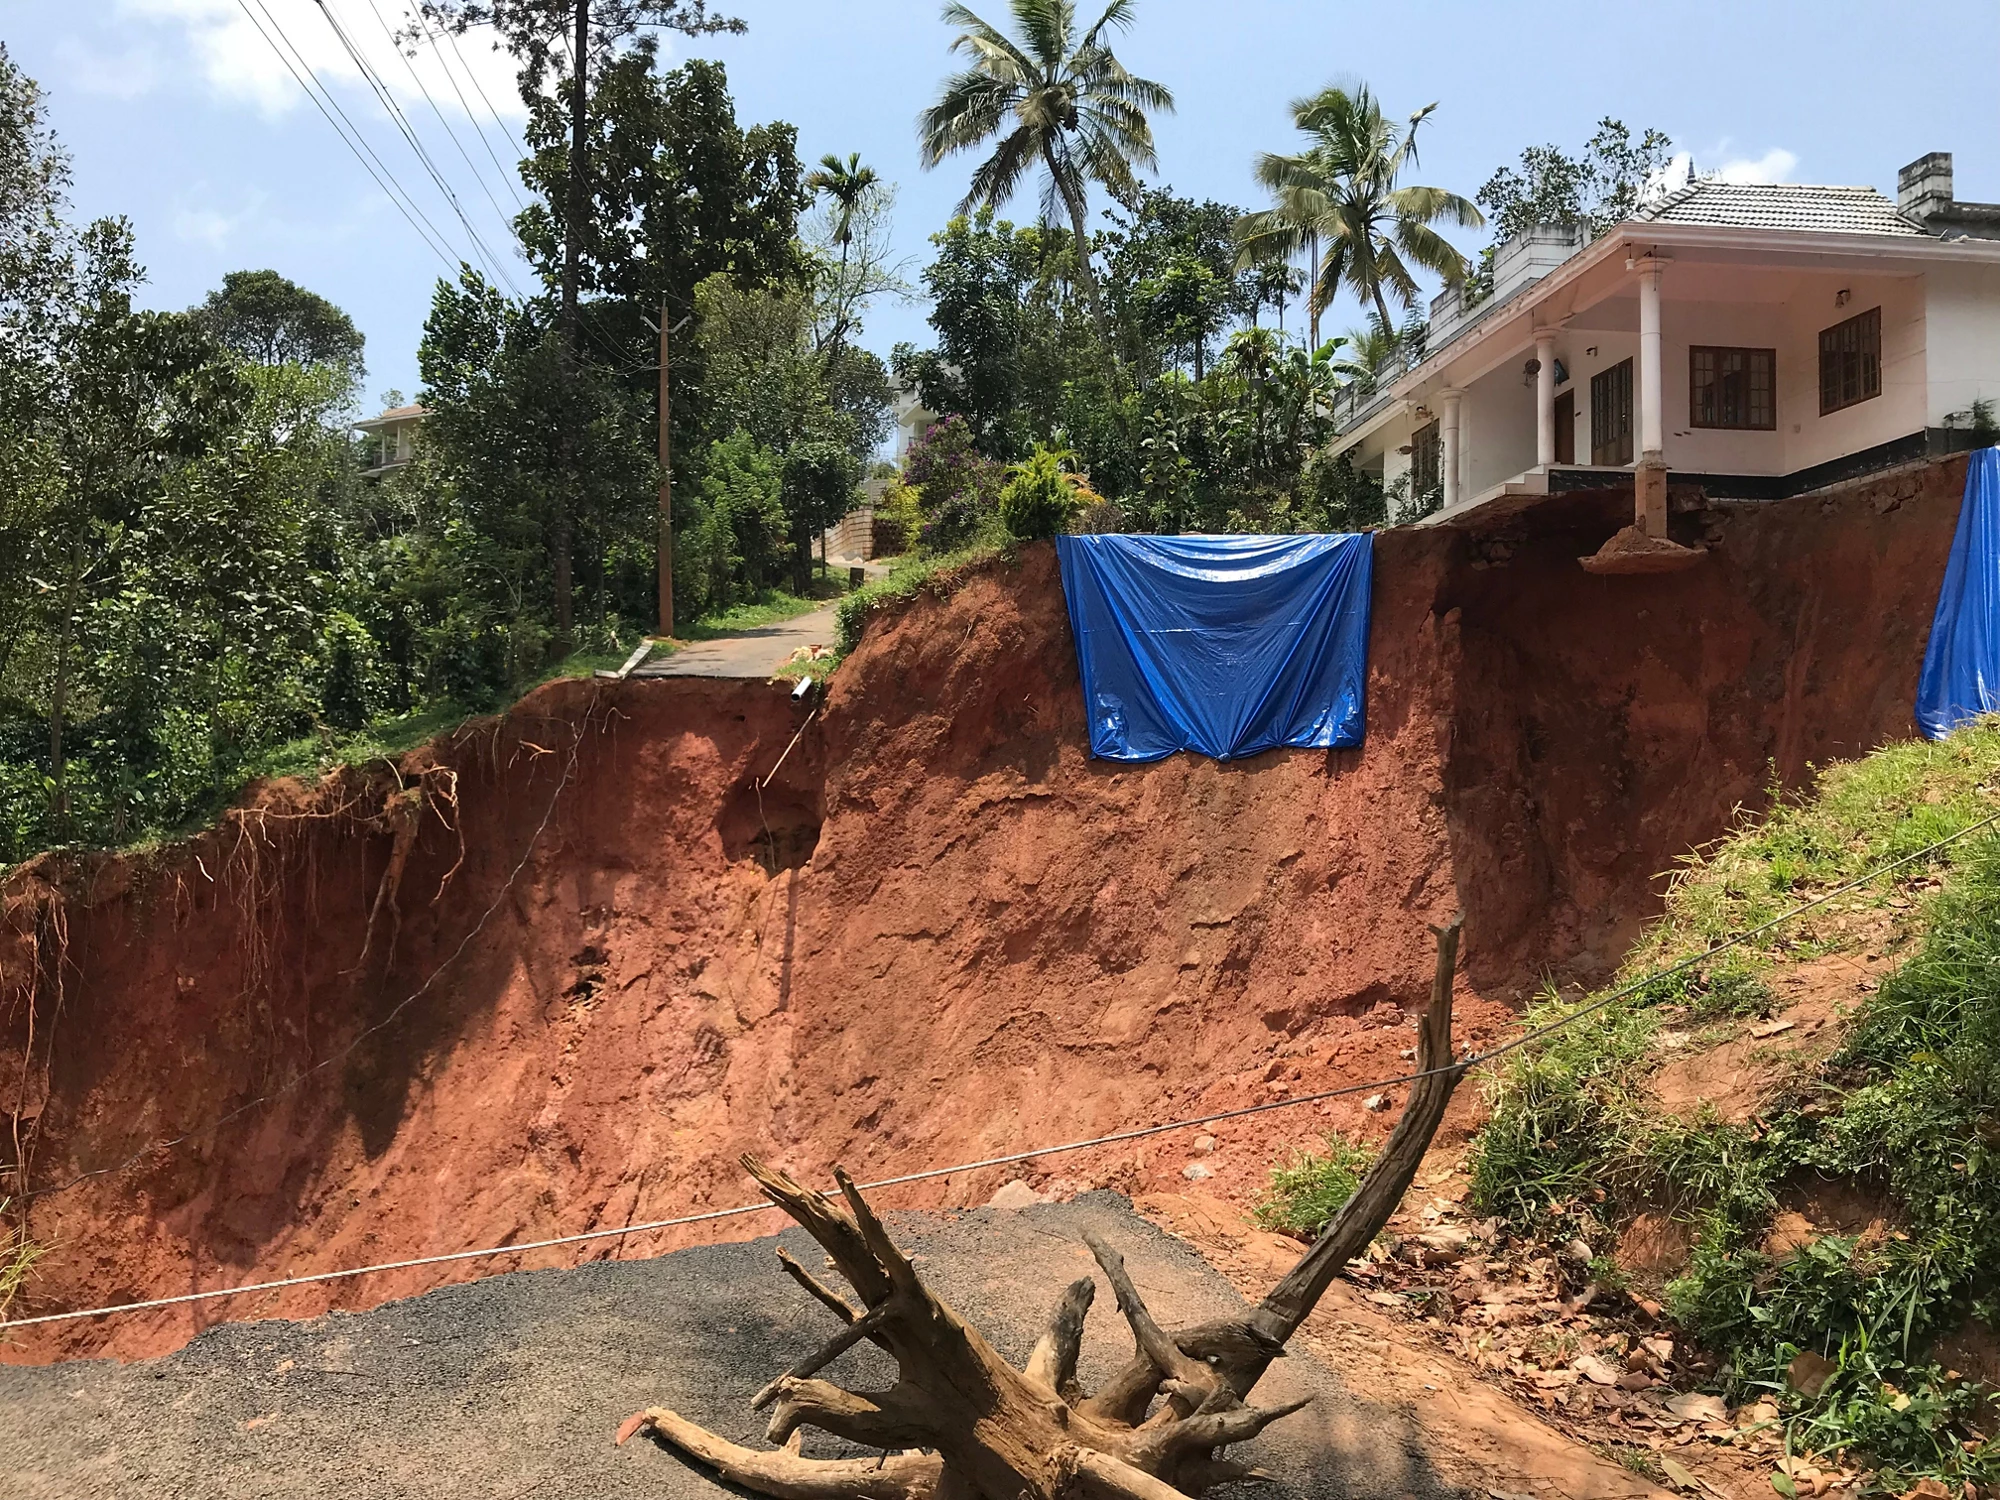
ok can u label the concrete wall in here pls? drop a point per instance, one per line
(1962, 339)
(1496, 434)
(1901, 408)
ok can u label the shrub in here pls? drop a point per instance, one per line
(897, 519)
(958, 488)
(1040, 499)
(353, 688)
(1310, 1187)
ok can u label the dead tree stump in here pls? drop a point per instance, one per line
(961, 1423)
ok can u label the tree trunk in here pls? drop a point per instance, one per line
(666, 483)
(1312, 285)
(1072, 195)
(574, 216)
(1382, 309)
(962, 1424)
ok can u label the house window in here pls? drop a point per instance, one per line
(1850, 362)
(1732, 388)
(1611, 415)
(1426, 461)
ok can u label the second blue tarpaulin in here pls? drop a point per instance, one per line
(1961, 677)
(1227, 645)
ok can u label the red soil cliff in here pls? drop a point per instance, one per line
(558, 970)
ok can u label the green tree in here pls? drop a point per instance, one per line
(1173, 281)
(1057, 99)
(735, 539)
(990, 286)
(1343, 192)
(494, 447)
(1596, 189)
(273, 321)
(557, 43)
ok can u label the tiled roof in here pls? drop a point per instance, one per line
(1788, 205)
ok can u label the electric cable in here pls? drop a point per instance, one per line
(472, 117)
(493, 264)
(426, 231)
(410, 67)
(1465, 1064)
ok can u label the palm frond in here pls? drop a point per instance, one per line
(983, 38)
(971, 108)
(1117, 17)
(997, 177)
(1430, 205)
(1046, 24)
(1430, 250)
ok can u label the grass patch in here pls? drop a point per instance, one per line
(1908, 1111)
(940, 574)
(1310, 1187)
(18, 1255)
(767, 608)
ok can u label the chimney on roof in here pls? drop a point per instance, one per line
(1924, 186)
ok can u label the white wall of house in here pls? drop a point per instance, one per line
(1742, 325)
(1496, 435)
(1899, 411)
(1612, 347)
(1962, 338)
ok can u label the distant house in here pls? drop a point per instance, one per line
(913, 419)
(390, 440)
(1759, 340)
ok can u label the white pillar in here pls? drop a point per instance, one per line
(1448, 444)
(1652, 439)
(1545, 399)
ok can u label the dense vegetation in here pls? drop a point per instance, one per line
(1843, 1330)
(202, 581)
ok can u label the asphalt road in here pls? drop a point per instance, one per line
(754, 653)
(511, 1387)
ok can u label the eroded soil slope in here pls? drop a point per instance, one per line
(557, 971)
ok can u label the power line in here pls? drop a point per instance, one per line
(397, 118)
(1470, 1061)
(506, 176)
(426, 231)
(411, 68)
(478, 87)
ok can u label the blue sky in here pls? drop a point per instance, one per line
(179, 116)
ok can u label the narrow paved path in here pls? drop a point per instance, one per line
(510, 1388)
(752, 653)
(758, 652)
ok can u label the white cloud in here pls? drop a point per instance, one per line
(205, 224)
(244, 56)
(1775, 165)
(117, 75)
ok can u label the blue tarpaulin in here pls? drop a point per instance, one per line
(1224, 644)
(1961, 678)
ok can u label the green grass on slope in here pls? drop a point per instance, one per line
(1907, 1111)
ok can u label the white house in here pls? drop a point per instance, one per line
(1760, 341)
(391, 439)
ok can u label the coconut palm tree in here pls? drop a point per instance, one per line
(1056, 98)
(1342, 192)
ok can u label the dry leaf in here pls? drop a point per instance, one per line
(1595, 1370)
(1692, 1406)
(1771, 1028)
(1677, 1475)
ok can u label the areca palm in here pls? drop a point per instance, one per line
(848, 184)
(1341, 191)
(1055, 98)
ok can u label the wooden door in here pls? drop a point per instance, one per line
(1611, 416)
(1566, 426)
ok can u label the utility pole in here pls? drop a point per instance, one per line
(666, 485)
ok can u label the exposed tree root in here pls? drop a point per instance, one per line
(961, 1423)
